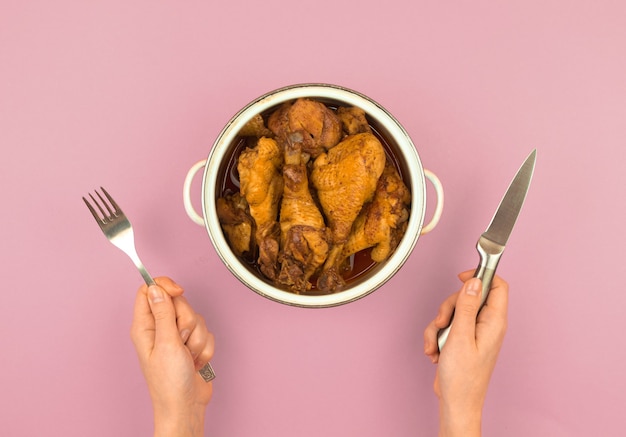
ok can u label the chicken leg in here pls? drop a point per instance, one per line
(382, 222)
(304, 236)
(345, 179)
(262, 186)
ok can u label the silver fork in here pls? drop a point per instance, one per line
(117, 228)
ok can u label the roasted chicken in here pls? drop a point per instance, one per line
(315, 189)
(353, 120)
(319, 126)
(261, 183)
(382, 222)
(234, 216)
(345, 179)
(304, 236)
(255, 128)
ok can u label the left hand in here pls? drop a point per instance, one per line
(172, 344)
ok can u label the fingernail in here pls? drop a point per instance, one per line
(472, 287)
(184, 335)
(155, 294)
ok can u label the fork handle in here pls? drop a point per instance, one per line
(132, 254)
(145, 275)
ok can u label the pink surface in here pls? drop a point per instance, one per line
(129, 95)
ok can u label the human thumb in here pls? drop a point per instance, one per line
(466, 309)
(164, 315)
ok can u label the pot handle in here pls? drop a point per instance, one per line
(439, 207)
(197, 218)
(191, 212)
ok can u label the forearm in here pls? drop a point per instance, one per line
(459, 422)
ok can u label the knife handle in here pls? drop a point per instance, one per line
(490, 254)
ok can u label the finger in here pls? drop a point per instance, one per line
(446, 310)
(194, 333)
(464, 276)
(444, 315)
(498, 298)
(492, 319)
(466, 310)
(142, 327)
(431, 350)
(198, 338)
(207, 352)
(170, 287)
(164, 316)
(186, 318)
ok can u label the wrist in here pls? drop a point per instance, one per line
(464, 421)
(187, 423)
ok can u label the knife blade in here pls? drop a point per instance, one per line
(492, 242)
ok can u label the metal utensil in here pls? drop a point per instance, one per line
(492, 242)
(118, 230)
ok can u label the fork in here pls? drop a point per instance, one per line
(118, 230)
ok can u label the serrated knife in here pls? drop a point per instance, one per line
(492, 242)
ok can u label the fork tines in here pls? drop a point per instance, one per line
(112, 208)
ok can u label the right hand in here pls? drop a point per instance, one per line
(172, 344)
(470, 353)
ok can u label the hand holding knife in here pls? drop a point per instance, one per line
(492, 242)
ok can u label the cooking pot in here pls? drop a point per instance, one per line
(383, 123)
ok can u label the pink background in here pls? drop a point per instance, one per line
(129, 95)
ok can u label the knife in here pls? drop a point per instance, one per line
(492, 242)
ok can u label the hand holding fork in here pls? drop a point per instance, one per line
(118, 230)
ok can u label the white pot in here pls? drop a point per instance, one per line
(384, 123)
